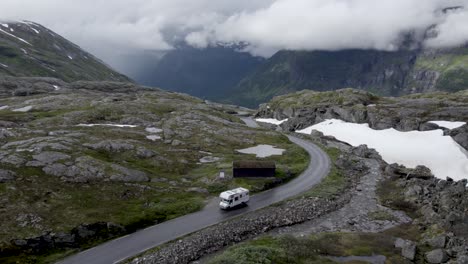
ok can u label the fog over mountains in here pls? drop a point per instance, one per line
(110, 30)
(246, 52)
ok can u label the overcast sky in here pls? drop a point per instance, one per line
(107, 27)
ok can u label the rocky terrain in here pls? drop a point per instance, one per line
(329, 196)
(82, 162)
(380, 213)
(406, 113)
(28, 49)
(391, 215)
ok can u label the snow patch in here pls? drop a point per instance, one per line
(271, 121)
(262, 151)
(439, 153)
(109, 125)
(153, 130)
(56, 87)
(70, 57)
(11, 35)
(5, 25)
(35, 30)
(24, 51)
(4, 107)
(4, 65)
(153, 137)
(209, 159)
(24, 109)
(448, 124)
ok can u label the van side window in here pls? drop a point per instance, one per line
(237, 198)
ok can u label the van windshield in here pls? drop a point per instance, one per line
(226, 201)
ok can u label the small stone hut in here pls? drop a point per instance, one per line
(253, 169)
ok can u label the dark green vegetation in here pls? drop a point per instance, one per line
(30, 50)
(206, 73)
(314, 249)
(117, 174)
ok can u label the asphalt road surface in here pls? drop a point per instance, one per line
(125, 247)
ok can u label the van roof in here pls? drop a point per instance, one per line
(226, 194)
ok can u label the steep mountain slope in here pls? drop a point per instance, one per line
(207, 73)
(28, 49)
(385, 73)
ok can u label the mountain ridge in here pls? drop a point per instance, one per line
(28, 49)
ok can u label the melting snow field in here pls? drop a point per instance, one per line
(271, 121)
(430, 148)
(448, 124)
(262, 151)
(24, 109)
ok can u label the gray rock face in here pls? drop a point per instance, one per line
(123, 174)
(47, 157)
(408, 248)
(111, 146)
(145, 153)
(6, 176)
(85, 169)
(460, 135)
(436, 256)
(4, 133)
(421, 172)
(437, 242)
(463, 259)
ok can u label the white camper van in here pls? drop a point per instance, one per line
(234, 197)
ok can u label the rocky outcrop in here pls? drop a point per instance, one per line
(6, 176)
(80, 235)
(411, 113)
(408, 248)
(460, 135)
(442, 204)
(436, 256)
(111, 146)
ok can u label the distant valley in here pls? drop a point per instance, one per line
(224, 75)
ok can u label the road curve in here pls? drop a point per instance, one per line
(125, 247)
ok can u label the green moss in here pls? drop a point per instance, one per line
(391, 195)
(381, 216)
(313, 249)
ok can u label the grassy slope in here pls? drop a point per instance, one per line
(63, 206)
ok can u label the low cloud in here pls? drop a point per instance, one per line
(108, 28)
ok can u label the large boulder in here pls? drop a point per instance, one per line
(6, 176)
(85, 169)
(46, 157)
(123, 174)
(111, 146)
(408, 248)
(460, 135)
(436, 256)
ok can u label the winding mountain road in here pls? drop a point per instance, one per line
(125, 247)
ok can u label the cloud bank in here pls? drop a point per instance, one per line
(120, 26)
